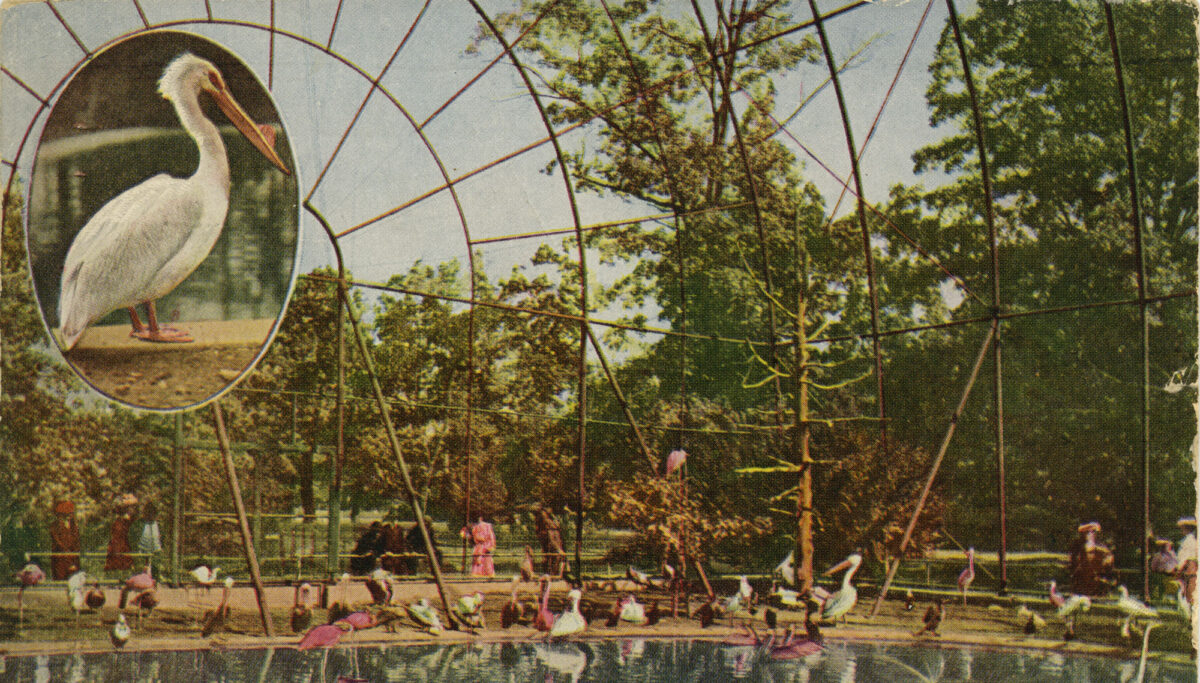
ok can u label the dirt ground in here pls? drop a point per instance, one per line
(50, 626)
(166, 376)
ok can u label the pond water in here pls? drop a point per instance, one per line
(673, 661)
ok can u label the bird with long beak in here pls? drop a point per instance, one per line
(148, 239)
(843, 600)
(968, 575)
(570, 621)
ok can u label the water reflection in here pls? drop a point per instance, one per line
(617, 660)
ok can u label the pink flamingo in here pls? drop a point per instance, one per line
(967, 575)
(675, 460)
(1056, 599)
(30, 575)
(136, 584)
(544, 620)
(324, 635)
(358, 620)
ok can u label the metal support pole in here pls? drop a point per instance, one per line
(243, 522)
(933, 469)
(997, 374)
(177, 501)
(862, 219)
(1139, 254)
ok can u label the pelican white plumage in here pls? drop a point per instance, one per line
(570, 621)
(149, 238)
(843, 600)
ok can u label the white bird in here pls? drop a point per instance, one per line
(149, 238)
(76, 593)
(843, 600)
(1133, 607)
(570, 621)
(632, 610)
(120, 632)
(786, 569)
(787, 597)
(1074, 603)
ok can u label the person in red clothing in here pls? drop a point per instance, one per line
(64, 541)
(119, 550)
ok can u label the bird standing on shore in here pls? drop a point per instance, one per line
(570, 621)
(933, 618)
(148, 239)
(30, 575)
(301, 616)
(843, 600)
(968, 575)
(120, 632)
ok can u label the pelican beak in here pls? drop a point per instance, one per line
(262, 137)
(844, 564)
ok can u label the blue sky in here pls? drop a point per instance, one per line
(384, 163)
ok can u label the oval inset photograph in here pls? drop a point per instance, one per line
(163, 221)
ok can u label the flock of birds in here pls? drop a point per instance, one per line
(820, 607)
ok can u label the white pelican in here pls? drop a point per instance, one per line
(149, 238)
(570, 621)
(843, 600)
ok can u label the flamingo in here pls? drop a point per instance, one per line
(512, 612)
(301, 612)
(675, 460)
(843, 600)
(214, 620)
(570, 621)
(30, 575)
(1056, 598)
(120, 632)
(544, 619)
(149, 238)
(967, 575)
(323, 635)
(136, 584)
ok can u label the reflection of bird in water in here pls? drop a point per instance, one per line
(565, 658)
(933, 618)
(149, 238)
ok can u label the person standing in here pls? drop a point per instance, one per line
(64, 541)
(119, 556)
(549, 534)
(483, 540)
(1187, 558)
(150, 540)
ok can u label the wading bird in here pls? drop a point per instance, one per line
(513, 611)
(967, 575)
(137, 583)
(215, 620)
(570, 621)
(843, 600)
(120, 632)
(426, 615)
(675, 460)
(149, 238)
(544, 620)
(205, 576)
(30, 575)
(324, 635)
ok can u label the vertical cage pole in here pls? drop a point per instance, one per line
(997, 355)
(334, 528)
(243, 523)
(385, 414)
(862, 218)
(581, 367)
(177, 499)
(1140, 255)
